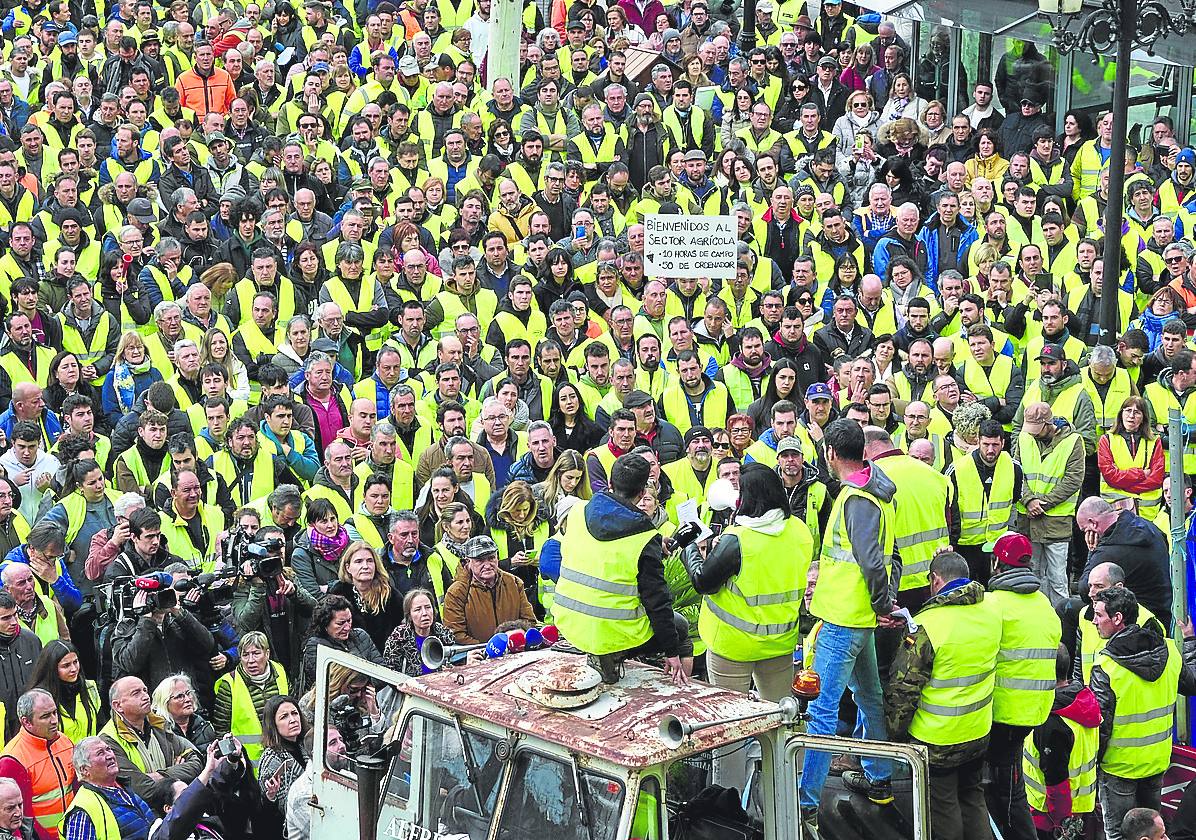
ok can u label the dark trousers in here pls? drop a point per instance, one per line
(1006, 792)
(979, 562)
(957, 808)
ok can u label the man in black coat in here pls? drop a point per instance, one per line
(1135, 545)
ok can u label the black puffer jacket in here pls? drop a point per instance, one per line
(1140, 549)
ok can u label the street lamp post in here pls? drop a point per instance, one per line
(1125, 25)
(747, 35)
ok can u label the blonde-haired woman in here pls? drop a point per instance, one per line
(131, 375)
(176, 701)
(219, 278)
(519, 528)
(365, 584)
(214, 349)
(242, 694)
(567, 477)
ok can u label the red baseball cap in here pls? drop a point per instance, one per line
(1013, 550)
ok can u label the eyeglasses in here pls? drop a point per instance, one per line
(859, 104)
(1176, 259)
(721, 444)
(182, 695)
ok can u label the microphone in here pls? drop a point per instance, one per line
(551, 634)
(516, 640)
(497, 646)
(533, 639)
(153, 581)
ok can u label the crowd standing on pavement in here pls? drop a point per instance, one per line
(310, 276)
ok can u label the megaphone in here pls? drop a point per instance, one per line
(673, 731)
(435, 654)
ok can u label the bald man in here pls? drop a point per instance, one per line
(363, 414)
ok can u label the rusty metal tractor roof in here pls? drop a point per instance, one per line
(620, 726)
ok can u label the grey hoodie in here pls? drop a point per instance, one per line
(862, 518)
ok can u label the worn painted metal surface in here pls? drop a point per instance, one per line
(619, 727)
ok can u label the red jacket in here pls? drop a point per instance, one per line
(1135, 479)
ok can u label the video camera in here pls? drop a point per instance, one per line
(262, 553)
(158, 587)
(353, 726)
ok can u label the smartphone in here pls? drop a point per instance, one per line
(859, 142)
(579, 231)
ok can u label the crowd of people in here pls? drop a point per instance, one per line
(318, 332)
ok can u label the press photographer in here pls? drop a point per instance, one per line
(266, 597)
(221, 802)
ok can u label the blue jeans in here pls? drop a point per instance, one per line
(844, 657)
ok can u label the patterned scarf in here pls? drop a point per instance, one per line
(125, 386)
(330, 547)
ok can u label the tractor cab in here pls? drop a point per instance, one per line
(534, 745)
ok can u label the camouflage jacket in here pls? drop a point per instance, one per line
(911, 670)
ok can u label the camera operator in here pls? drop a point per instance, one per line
(196, 596)
(157, 637)
(220, 803)
(144, 549)
(274, 603)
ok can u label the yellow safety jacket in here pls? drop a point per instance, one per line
(74, 723)
(713, 413)
(1125, 460)
(754, 615)
(597, 603)
(45, 627)
(919, 526)
(1030, 634)
(841, 594)
(246, 724)
(957, 703)
(261, 482)
(984, 518)
(1140, 744)
(1081, 769)
(1107, 408)
(1042, 476)
(1161, 399)
(991, 383)
(18, 373)
(90, 802)
(178, 538)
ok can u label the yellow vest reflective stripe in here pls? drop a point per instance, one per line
(261, 483)
(1124, 461)
(1161, 400)
(841, 594)
(754, 615)
(1042, 476)
(1108, 408)
(1030, 634)
(956, 705)
(1140, 743)
(1081, 770)
(98, 811)
(597, 603)
(919, 525)
(246, 724)
(1073, 348)
(983, 518)
(136, 465)
(713, 409)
